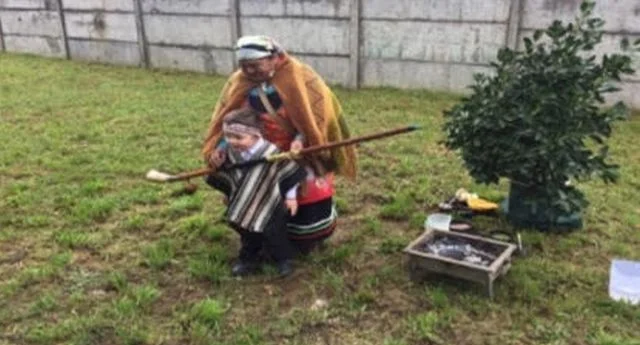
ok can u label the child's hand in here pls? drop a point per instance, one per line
(217, 158)
(296, 146)
(292, 206)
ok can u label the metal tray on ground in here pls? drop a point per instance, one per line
(422, 262)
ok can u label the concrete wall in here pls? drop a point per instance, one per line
(436, 44)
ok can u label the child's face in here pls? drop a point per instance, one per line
(240, 141)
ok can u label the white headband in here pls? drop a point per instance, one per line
(256, 47)
(238, 128)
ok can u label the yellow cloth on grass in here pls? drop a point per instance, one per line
(478, 204)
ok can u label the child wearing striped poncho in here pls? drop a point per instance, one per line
(260, 197)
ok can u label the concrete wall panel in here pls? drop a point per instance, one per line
(440, 42)
(43, 23)
(221, 7)
(619, 15)
(45, 46)
(208, 31)
(628, 94)
(199, 60)
(121, 53)
(30, 4)
(409, 74)
(100, 25)
(312, 8)
(104, 5)
(334, 70)
(319, 36)
(453, 10)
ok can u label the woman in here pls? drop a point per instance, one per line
(298, 110)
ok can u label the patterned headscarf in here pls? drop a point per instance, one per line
(256, 47)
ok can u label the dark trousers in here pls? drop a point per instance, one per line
(273, 240)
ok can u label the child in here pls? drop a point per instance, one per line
(260, 197)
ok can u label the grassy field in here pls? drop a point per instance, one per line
(91, 253)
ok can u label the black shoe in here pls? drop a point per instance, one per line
(241, 269)
(285, 268)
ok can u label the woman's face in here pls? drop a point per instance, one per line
(259, 70)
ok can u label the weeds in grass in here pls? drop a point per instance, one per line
(393, 341)
(117, 281)
(37, 221)
(90, 210)
(373, 226)
(49, 334)
(44, 303)
(208, 312)
(132, 335)
(201, 334)
(438, 297)
(360, 300)
(338, 256)
(425, 327)
(93, 188)
(217, 233)
(604, 338)
(143, 196)
(135, 301)
(212, 266)
(393, 244)
(159, 255)
(342, 206)
(401, 208)
(550, 332)
(333, 281)
(185, 206)
(249, 335)
(135, 222)
(73, 239)
(144, 296)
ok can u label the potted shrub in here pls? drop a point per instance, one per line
(540, 121)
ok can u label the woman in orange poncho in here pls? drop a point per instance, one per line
(298, 110)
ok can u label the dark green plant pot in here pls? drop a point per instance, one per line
(526, 207)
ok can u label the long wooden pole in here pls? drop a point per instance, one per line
(291, 155)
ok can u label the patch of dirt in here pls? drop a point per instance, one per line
(12, 256)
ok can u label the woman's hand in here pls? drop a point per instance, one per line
(292, 206)
(217, 158)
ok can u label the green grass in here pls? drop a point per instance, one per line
(91, 253)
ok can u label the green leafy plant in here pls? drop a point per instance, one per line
(540, 120)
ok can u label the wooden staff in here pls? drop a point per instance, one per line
(157, 176)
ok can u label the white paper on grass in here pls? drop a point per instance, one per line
(624, 282)
(438, 221)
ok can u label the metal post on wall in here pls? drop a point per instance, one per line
(2, 46)
(234, 20)
(143, 47)
(514, 23)
(354, 45)
(63, 28)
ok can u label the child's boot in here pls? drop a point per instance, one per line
(243, 268)
(285, 268)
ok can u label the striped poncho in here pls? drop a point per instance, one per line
(255, 193)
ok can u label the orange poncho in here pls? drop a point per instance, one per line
(313, 110)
